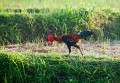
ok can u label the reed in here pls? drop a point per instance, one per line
(34, 67)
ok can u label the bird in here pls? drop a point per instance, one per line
(72, 39)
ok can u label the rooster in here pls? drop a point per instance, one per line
(72, 39)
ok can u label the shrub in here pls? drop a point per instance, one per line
(20, 27)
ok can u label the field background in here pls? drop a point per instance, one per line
(25, 56)
(26, 21)
(53, 4)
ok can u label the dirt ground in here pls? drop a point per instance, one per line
(111, 49)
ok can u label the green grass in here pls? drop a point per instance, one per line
(57, 68)
(52, 4)
(32, 20)
(23, 27)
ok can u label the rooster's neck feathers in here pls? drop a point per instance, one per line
(58, 38)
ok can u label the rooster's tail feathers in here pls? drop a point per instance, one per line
(85, 34)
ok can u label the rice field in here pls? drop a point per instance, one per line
(26, 57)
(53, 4)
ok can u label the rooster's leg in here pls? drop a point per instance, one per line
(69, 47)
(78, 48)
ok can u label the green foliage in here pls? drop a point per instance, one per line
(37, 24)
(53, 4)
(52, 68)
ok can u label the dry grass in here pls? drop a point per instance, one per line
(111, 49)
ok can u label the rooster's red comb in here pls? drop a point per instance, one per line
(51, 39)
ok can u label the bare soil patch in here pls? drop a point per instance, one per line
(112, 49)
